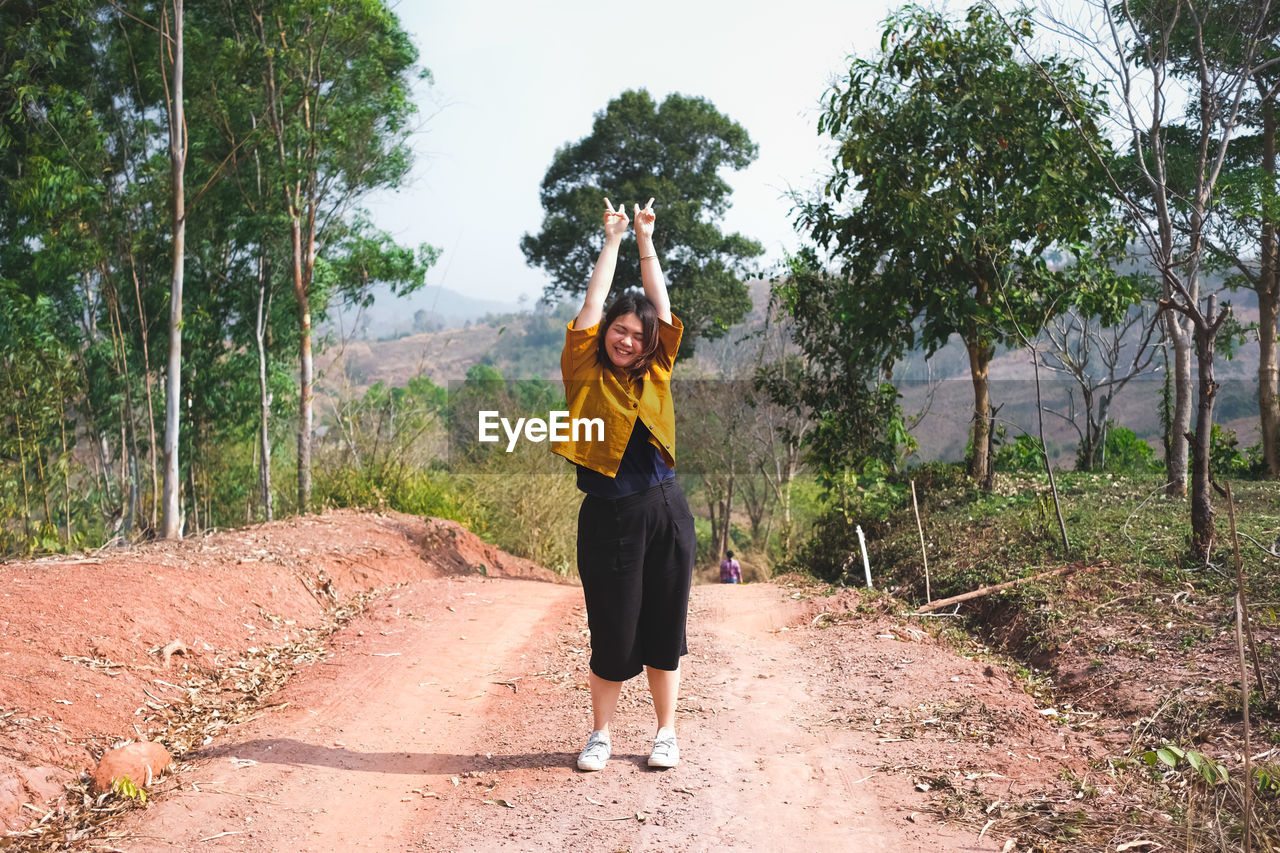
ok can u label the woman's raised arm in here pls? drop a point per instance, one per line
(655, 284)
(615, 226)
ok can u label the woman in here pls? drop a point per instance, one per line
(635, 532)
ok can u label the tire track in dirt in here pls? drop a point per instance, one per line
(401, 740)
(758, 771)
(336, 768)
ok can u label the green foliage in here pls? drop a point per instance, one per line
(1025, 455)
(672, 152)
(385, 448)
(865, 498)
(1128, 454)
(951, 183)
(854, 409)
(85, 175)
(937, 476)
(1209, 771)
(958, 168)
(38, 384)
(1228, 461)
(829, 552)
(127, 789)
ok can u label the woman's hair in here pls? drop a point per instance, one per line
(729, 554)
(631, 303)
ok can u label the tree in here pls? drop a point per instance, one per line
(713, 421)
(781, 419)
(1100, 359)
(958, 168)
(673, 152)
(170, 522)
(852, 408)
(337, 87)
(87, 224)
(1244, 240)
(1171, 188)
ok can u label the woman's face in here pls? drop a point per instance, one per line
(624, 340)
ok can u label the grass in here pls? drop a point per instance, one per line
(1147, 641)
(978, 538)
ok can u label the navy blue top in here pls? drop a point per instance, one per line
(642, 466)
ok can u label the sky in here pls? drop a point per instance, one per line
(513, 81)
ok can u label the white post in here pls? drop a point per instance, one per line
(866, 566)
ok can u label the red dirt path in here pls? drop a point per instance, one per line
(447, 716)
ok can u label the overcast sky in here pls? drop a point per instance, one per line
(516, 80)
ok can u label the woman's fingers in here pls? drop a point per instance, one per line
(649, 206)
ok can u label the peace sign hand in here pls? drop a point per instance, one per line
(644, 220)
(615, 221)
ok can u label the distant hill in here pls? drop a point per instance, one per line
(937, 393)
(430, 309)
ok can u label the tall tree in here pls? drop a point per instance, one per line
(673, 152)
(1244, 240)
(1174, 194)
(171, 523)
(957, 168)
(337, 86)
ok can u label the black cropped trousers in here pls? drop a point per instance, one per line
(635, 559)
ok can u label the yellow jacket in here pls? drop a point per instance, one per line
(596, 391)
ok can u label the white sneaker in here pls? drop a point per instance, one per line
(665, 752)
(597, 752)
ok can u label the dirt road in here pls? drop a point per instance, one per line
(449, 715)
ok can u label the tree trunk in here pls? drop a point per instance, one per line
(786, 519)
(1269, 309)
(264, 396)
(151, 415)
(715, 527)
(305, 370)
(1176, 461)
(979, 361)
(1201, 495)
(173, 399)
(1269, 376)
(725, 516)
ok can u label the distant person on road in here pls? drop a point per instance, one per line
(635, 531)
(730, 571)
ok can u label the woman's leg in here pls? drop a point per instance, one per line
(664, 687)
(604, 701)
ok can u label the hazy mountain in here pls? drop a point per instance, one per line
(430, 309)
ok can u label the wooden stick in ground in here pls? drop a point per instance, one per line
(924, 554)
(1241, 621)
(1244, 707)
(987, 590)
(1244, 604)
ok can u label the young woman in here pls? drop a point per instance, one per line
(635, 532)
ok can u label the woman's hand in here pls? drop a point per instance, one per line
(615, 221)
(644, 221)
(655, 285)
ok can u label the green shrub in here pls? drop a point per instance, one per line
(1025, 455)
(1226, 459)
(1128, 454)
(938, 476)
(831, 552)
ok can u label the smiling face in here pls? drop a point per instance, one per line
(624, 340)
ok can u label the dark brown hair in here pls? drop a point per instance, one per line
(631, 303)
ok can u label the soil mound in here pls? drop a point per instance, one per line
(83, 639)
